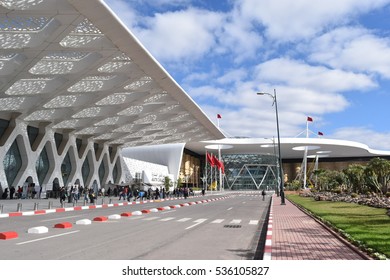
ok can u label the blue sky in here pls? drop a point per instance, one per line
(329, 60)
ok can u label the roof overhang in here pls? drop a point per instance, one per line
(74, 67)
(291, 148)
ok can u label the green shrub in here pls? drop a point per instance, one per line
(354, 195)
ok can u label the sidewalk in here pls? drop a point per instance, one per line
(294, 235)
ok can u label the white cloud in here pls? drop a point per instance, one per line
(238, 38)
(287, 20)
(185, 34)
(300, 74)
(355, 49)
(374, 139)
(124, 11)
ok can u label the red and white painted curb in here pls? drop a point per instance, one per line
(86, 207)
(66, 225)
(268, 241)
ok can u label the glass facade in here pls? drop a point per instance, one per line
(249, 171)
(85, 170)
(102, 172)
(115, 171)
(12, 162)
(42, 165)
(32, 133)
(66, 168)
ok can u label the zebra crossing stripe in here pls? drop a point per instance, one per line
(184, 220)
(217, 221)
(166, 219)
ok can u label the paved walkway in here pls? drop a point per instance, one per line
(294, 235)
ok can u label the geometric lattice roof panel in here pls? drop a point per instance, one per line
(73, 66)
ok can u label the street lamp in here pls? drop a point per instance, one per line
(281, 183)
(277, 164)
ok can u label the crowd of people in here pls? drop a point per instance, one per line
(28, 191)
(72, 194)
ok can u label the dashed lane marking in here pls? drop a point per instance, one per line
(48, 237)
(166, 219)
(151, 218)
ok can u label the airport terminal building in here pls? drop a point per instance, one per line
(84, 103)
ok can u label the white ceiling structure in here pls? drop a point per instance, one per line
(73, 66)
(291, 148)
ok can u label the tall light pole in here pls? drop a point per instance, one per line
(277, 164)
(281, 179)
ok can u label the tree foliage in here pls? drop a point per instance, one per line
(357, 178)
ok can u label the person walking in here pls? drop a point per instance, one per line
(12, 192)
(75, 194)
(263, 194)
(63, 195)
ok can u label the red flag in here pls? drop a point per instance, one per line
(219, 116)
(309, 119)
(210, 159)
(217, 162)
(320, 133)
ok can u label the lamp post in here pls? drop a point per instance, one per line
(281, 183)
(277, 164)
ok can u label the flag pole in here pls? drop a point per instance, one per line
(305, 154)
(205, 171)
(219, 157)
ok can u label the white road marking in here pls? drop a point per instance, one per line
(253, 222)
(229, 208)
(48, 237)
(197, 223)
(235, 221)
(184, 220)
(151, 218)
(166, 219)
(166, 212)
(55, 219)
(217, 221)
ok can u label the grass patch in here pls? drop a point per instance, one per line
(366, 227)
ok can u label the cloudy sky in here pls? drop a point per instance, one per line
(329, 60)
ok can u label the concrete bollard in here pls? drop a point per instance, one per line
(19, 207)
(110, 201)
(50, 206)
(85, 202)
(36, 206)
(1, 208)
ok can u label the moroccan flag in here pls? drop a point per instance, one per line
(309, 119)
(219, 116)
(210, 159)
(217, 162)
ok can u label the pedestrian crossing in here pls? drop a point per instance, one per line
(202, 220)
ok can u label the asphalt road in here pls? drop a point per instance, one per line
(225, 229)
